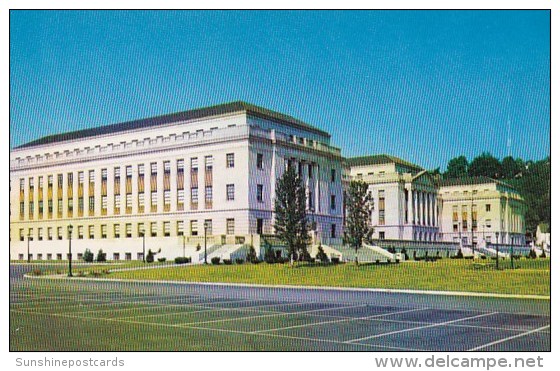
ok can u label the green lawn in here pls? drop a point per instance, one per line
(531, 277)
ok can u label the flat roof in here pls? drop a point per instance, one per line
(151, 122)
(473, 181)
(380, 159)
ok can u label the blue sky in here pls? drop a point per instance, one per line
(422, 85)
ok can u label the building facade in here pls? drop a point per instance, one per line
(481, 208)
(405, 197)
(409, 204)
(165, 180)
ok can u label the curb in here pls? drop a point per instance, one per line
(327, 288)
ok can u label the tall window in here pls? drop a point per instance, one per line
(381, 196)
(488, 208)
(117, 230)
(166, 229)
(333, 175)
(230, 226)
(104, 231)
(260, 164)
(230, 160)
(166, 167)
(208, 194)
(194, 227)
(464, 214)
(180, 166)
(333, 202)
(128, 170)
(80, 232)
(128, 230)
(259, 192)
(208, 226)
(208, 162)
(153, 168)
(180, 228)
(153, 229)
(194, 195)
(230, 192)
(91, 232)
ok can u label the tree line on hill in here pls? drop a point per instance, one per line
(530, 178)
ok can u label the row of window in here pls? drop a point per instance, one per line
(89, 232)
(59, 256)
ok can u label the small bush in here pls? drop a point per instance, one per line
(543, 254)
(459, 254)
(88, 256)
(197, 247)
(182, 260)
(335, 260)
(37, 272)
(321, 255)
(269, 256)
(150, 257)
(306, 257)
(101, 256)
(404, 254)
(215, 260)
(81, 273)
(161, 260)
(228, 262)
(482, 256)
(239, 261)
(532, 254)
(252, 255)
(95, 274)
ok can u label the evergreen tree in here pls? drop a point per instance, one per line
(291, 224)
(358, 225)
(485, 165)
(456, 168)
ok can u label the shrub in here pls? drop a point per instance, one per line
(335, 260)
(81, 273)
(101, 256)
(321, 255)
(88, 256)
(239, 261)
(305, 256)
(198, 247)
(150, 257)
(252, 255)
(161, 260)
(532, 254)
(269, 256)
(37, 272)
(227, 261)
(459, 254)
(543, 254)
(215, 260)
(182, 260)
(482, 256)
(404, 254)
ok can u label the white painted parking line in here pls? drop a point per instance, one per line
(345, 319)
(275, 314)
(419, 328)
(509, 338)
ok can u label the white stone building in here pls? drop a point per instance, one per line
(480, 208)
(405, 197)
(409, 204)
(167, 177)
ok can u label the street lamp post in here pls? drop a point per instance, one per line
(497, 251)
(205, 231)
(143, 234)
(28, 253)
(70, 227)
(511, 250)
